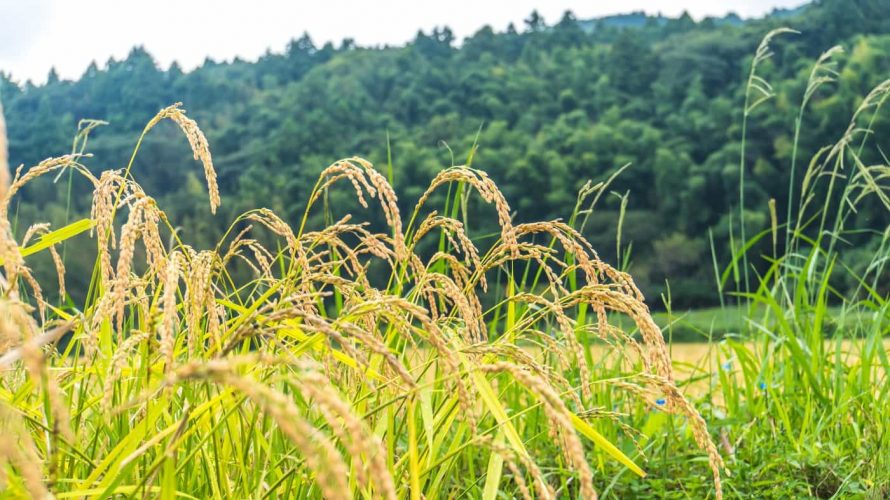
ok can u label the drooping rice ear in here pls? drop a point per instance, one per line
(198, 143)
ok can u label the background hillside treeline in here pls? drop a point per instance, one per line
(553, 106)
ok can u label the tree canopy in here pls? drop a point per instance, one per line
(550, 107)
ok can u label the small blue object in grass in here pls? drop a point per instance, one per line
(762, 385)
(727, 365)
(660, 401)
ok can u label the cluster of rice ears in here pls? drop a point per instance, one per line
(309, 378)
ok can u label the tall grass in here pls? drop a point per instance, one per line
(806, 378)
(757, 91)
(313, 377)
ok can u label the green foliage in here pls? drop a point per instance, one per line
(557, 104)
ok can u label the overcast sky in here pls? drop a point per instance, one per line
(36, 35)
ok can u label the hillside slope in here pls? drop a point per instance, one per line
(553, 106)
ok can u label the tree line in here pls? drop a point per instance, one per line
(548, 107)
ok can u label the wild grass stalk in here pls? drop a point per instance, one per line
(802, 370)
(757, 91)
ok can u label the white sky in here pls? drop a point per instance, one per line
(36, 35)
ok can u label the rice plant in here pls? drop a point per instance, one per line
(312, 376)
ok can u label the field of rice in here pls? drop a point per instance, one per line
(340, 361)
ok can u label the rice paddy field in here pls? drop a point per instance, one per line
(340, 361)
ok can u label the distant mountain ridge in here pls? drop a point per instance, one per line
(639, 19)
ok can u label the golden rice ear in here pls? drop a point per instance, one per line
(353, 432)
(198, 143)
(486, 189)
(169, 317)
(677, 403)
(365, 180)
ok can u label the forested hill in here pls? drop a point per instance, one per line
(553, 106)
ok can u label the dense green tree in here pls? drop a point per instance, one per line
(549, 108)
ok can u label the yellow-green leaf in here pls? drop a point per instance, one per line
(589, 432)
(55, 237)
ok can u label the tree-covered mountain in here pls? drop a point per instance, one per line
(550, 106)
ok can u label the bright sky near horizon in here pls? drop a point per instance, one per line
(36, 35)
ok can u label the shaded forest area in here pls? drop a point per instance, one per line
(550, 106)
